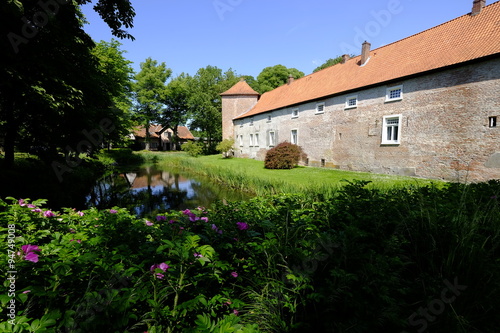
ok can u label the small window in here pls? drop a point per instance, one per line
(294, 137)
(269, 118)
(251, 121)
(391, 130)
(322, 162)
(295, 113)
(492, 121)
(251, 140)
(351, 102)
(256, 140)
(241, 140)
(272, 139)
(394, 94)
(320, 107)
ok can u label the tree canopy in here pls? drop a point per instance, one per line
(275, 76)
(51, 85)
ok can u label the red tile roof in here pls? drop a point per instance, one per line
(240, 88)
(182, 132)
(457, 41)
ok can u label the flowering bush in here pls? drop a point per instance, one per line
(366, 260)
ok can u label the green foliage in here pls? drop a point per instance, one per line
(275, 76)
(225, 146)
(285, 155)
(328, 63)
(363, 261)
(205, 104)
(193, 149)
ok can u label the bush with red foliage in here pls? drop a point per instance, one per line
(285, 155)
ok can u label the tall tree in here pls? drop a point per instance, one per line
(49, 81)
(177, 105)
(328, 63)
(117, 80)
(275, 76)
(149, 93)
(205, 102)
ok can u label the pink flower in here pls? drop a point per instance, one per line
(81, 213)
(163, 266)
(234, 274)
(31, 206)
(113, 211)
(48, 213)
(71, 230)
(79, 241)
(26, 291)
(29, 254)
(204, 219)
(161, 218)
(36, 210)
(198, 255)
(236, 312)
(149, 223)
(21, 202)
(242, 225)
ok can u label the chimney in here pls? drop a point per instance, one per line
(365, 52)
(477, 6)
(290, 79)
(345, 57)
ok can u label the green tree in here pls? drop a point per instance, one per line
(328, 63)
(177, 105)
(50, 82)
(149, 93)
(205, 103)
(117, 80)
(275, 76)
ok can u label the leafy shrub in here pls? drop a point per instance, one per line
(192, 148)
(225, 146)
(284, 156)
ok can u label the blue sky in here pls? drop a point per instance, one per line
(249, 35)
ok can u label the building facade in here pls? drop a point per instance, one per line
(425, 106)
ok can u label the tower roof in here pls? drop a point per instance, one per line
(240, 88)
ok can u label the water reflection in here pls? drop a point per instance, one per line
(149, 190)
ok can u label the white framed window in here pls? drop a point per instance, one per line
(272, 139)
(351, 102)
(241, 140)
(320, 107)
(269, 117)
(294, 138)
(391, 130)
(256, 140)
(251, 140)
(295, 113)
(394, 93)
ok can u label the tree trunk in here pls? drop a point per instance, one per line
(147, 138)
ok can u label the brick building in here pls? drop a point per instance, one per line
(424, 106)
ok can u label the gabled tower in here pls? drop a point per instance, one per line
(237, 100)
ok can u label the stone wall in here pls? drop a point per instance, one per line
(445, 132)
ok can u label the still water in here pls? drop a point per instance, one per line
(149, 190)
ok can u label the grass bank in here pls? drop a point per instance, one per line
(250, 175)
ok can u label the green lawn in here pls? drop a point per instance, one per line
(250, 175)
